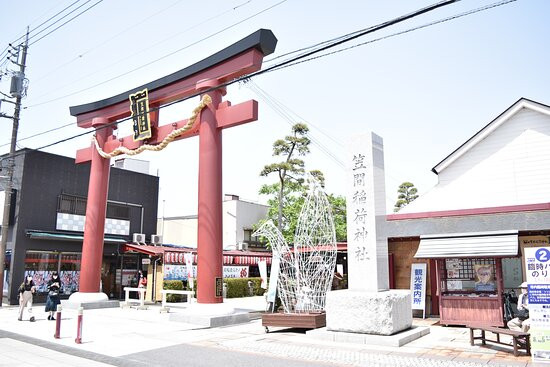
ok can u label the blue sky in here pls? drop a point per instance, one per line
(424, 92)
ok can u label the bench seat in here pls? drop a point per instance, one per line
(520, 340)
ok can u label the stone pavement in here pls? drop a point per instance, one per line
(130, 337)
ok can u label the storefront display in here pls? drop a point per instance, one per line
(470, 290)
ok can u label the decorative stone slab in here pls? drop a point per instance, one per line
(396, 340)
(380, 313)
(297, 320)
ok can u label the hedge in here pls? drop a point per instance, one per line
(236, 288)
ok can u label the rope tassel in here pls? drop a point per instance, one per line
(164, 143)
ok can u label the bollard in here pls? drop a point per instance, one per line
(78, 339)
(58, 322)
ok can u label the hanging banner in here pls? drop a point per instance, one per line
(418, 287)
(262, 266)
(139, 106)
(537, 261)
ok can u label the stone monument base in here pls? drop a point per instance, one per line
(396, 340)
(380, 313)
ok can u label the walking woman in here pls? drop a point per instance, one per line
(26, 291)
(54, 286)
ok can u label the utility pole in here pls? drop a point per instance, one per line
(11, 163)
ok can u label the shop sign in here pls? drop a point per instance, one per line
(146, 261)
(219, 287)
(418, 287)
(180, 272)
(139, 106)
(537, 261)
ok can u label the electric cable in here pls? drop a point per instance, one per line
(142, 50)
(260, 72)
(73, 18)
(38, 26)
(158, 59)
(443, 20)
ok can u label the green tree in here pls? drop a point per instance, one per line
(407, 194)
(290, 170)
(287, 195)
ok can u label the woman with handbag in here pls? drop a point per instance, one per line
(54, 286)
(26, 290)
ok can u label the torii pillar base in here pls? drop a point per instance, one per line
(89, 301)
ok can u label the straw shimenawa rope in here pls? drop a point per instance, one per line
(164, 143)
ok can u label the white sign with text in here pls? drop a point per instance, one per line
(366, 211)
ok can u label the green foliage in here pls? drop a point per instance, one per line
(338, 204)
(238, 287)
(407, 194)
(175, 285)
(288, 194)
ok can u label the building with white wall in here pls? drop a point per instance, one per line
(492, 201)
(238, 218)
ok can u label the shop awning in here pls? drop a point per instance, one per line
(40, 235)
(480, 244)
(144, 249)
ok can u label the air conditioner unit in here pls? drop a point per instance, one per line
(243, 246)
(156, 239)
(138, 238)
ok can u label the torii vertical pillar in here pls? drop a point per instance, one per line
(210, 232)
(92, 247)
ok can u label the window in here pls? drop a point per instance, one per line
(463, 276)
(41, 264)
(72, 204)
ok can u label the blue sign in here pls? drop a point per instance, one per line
(542, 255)
(539, 294)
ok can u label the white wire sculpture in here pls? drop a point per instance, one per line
(305, 273)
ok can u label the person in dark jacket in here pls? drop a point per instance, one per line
(26, 290)
(54, 287)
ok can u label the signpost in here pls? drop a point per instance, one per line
(418, 287)
(537, 261)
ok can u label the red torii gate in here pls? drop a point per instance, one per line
(241, 58)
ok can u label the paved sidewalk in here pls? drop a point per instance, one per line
(130, 337)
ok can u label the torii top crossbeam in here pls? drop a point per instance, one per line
(241, 58)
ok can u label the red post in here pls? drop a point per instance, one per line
(78, 339)
(209, 239)
(92, 248)
(58, 322)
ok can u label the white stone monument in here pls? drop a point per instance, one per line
(368, 306)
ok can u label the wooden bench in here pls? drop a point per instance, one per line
(164, 292)
(520, 340)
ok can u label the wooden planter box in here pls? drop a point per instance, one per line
(297, 320)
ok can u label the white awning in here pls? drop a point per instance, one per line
(480, 244)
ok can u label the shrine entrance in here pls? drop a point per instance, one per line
(205, 77)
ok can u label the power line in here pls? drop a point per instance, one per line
(273, 68)
(160, 58)
(41, 133)
(141, 50)
(38, 26)
(76, 16)
(473, 11)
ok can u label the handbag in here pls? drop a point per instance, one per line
(523, 314)
(53, 293)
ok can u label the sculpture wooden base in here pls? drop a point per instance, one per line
(297, 320)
